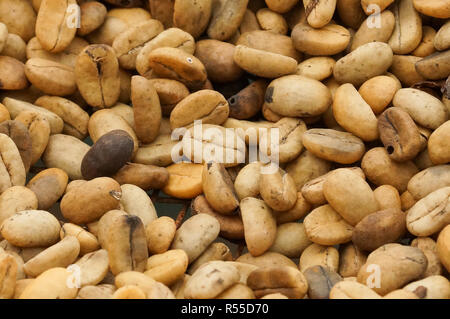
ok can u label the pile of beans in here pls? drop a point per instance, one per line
(93, 93)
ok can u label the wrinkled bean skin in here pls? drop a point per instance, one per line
(399, 134)
(97, 75)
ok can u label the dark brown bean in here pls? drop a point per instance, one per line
(107, 155)
(379, 228)
(248, 102)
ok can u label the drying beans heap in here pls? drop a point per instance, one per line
(93, 92)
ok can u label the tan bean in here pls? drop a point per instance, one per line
(19, 17)
(74, 117)
(351, 111)
(231, 226)
(263, 63)
(426, 46)
(176, 64)
(430, 214)
(428, 246)
(316, 254)
(65, 152)
(31, 228)
(167, 267)
(147, 109)
(380, 169)
(210, 280)
(351, 260)
(443, 248)
(407, 18)
(88, 242)
(437, 144)
(172, 37)
(319, 13)
(325, 226)
(278, 190)
(352, 290)
(51, 284)
(286, 280)
(291, 240)
(8, 271)
(271, 21)
(86, 203)
(50, 77)
(126, 244)
(332, 145)
(12, 75)
(215, 251)
(67, 57)
(312, 190)
(226, 18)
(412, 101)
(345, 69)
(160, 234)
(16, 199)
(92, 16)
(269, 41)
(367, 33)
(268, 259)
(136, 202)
(218, 188)
(21, 138)
(97, 75)
(328, 40)
(207, 106)
(297, 96)
(185, 180)
(196, 234)
(426, 181)
(15, 107)
(62, 254)
(356, 204)
(39, 130)
(405, 264)
(128, 44)
(433, 8)
(317, 68)
(387, 196)
(259, 225)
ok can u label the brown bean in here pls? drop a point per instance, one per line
(399, 134)
(145, 176)
(379, 228)
(109, 153)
